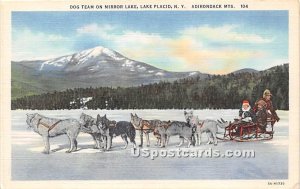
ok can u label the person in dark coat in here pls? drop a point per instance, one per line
(265, 102)
(246, 114)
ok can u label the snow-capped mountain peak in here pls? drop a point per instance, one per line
(109, 65)
(86, 56)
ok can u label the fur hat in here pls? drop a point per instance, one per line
(246, 102)
(267, 93)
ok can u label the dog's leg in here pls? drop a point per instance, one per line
(181, 141)
(95, 141)
(158, 142)
(101, 141)
(98, 141)
(215, 138)
(124, 137)
(71, 140)
(109, 141)
(163, 141)
(132, 140)
(104, 142)
(74, 146)
(209, 136)
(200, 138)
(141, 136)
(47, 145)
(189, 139)
(197, 139)
(193, 140)
(148, 140)
(110, 146)
(167, 139)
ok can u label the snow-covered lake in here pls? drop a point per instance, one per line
(28, 163)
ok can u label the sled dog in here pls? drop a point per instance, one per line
(51, 127)
(168, 129)
(89, 126)
(210, 127)
(110, 129)
(144, 127)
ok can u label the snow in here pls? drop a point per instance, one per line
(142, 68)
(57, 62)
(128, 63)
(28, 163)
(193, 73)
(88, 54)
(83, 101)
(82, 57)
(159, 74)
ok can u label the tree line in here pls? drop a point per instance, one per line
(214, 92)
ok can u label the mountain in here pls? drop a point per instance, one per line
(95, 67)
(245, 70)
(216, 91)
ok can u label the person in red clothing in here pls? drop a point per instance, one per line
(265, 102)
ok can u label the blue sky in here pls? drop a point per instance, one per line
(207, 41)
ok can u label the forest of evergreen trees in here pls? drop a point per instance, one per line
(214, 92)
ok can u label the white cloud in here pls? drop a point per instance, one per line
(28, 45)
(225, 33)
(103, 31)
(188, 51)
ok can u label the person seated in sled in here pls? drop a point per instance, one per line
(266, 102)
(246, 114)
(246, 117)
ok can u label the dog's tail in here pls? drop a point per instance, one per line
(222, 124)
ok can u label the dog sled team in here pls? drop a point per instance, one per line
(103, 130)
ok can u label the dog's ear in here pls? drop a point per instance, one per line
(185, 112)
(131, 115)
(98, 119)
(104, 116)
(136, 115)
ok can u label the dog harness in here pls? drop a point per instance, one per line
(46, 125)
(201, 124)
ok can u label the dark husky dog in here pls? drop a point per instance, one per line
(51, 127)
(89, 126)
(110, 129)
(144, 126)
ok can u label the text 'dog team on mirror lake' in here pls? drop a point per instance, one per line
(127, 7)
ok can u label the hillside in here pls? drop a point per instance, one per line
(214, 92)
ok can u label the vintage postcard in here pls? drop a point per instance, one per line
(152, 94)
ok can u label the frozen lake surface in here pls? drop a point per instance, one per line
(28, 163)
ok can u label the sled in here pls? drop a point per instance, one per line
(248, 131)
